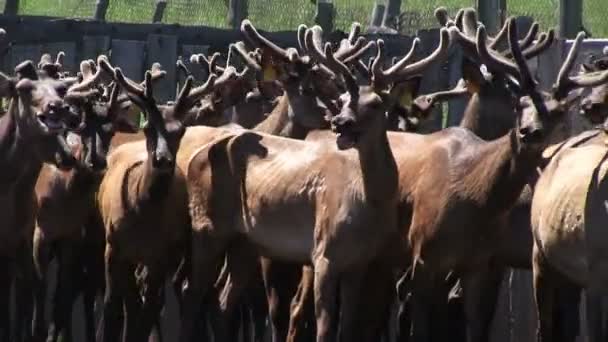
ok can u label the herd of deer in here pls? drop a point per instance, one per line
(289, 190)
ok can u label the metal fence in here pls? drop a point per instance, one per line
(281, 15)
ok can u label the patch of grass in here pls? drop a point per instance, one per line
(277, 15)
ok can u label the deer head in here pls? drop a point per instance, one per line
(104, 115)
(539, 112)
(594, 106)
(310, 87)
(164, 127)
(363, 108)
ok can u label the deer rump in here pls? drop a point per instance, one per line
(275, 191)
(569, 212)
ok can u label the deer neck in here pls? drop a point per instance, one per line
(507, 167)
(378, 165)
(278, 120)
(483, 118)
(18, 159)
(152, 184)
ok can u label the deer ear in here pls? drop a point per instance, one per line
(25, 85)
(472, 75)
(7, 86)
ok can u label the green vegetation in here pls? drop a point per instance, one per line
(287, 14)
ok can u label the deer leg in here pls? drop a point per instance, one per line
(544, 292)
(424, 292)
(132, 303)
(350, 291)
(117, 275)
(241, 261)
(326, 306)
(64, 294)
(480, 296)
(5, 295)
(404, 319)
(153, 301)
(207, 253)
(281, 282)
(567, 316)
(457, 321)
(24, 292)
(42, 257)
(93, 267)
(259, 306)
(301, 320)
(377, 297)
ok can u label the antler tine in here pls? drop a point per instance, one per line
(89, 79)
(469, 22)
(529, 38)
(527, 83)
(340, 68)
(45, 59)
(130, 86)
(60, 57)
(459, 18)
(182, 97)
(400, 71)
(301, 37)
(565, 83)
(113, 100)
(407, 59)
(562, 76)
(492, 59)
(360, 52)
(157, 72)
(545, 40)
(200, 91)
(239, 48)
(441, 13)
(500, 36)
(213, 67)
(312, 41)
(347, 48)
(257, 39)
(527, 42)
(181, 66)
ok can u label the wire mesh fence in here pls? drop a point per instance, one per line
(546, 12)
(595, 18)
(277, 15)
(281, 15)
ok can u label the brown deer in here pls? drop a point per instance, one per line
(489, 113)
(473, 202)
(141, 227)
(566, 220)
(32, 132)
(64, 235)
(303, 197)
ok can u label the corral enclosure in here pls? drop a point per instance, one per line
(134, 47)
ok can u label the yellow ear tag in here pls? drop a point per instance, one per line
(270, 73)
(406, 100)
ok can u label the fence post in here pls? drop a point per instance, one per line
(237, 11)
(377, 13)
(101, 7)
(325, 15)
(491, 14)
(393, 9)
(159, 10)
(11, 7)
(570, 18)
